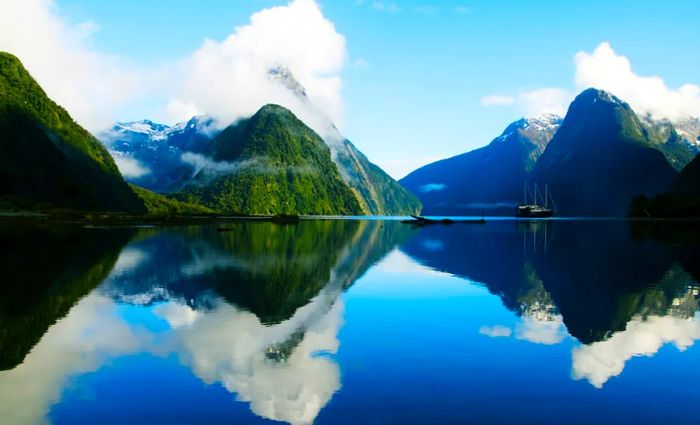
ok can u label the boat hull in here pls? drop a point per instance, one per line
(535, 214)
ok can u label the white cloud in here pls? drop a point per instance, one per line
(603, 360)
(129, 259)
(396, 262)
(92, 333)
(432, 187)
(549, 332)
(177, 111)
(130, 167)
(497, 100)
(533, 103)
(232, 347)
(495, 331)
(226, 79)
(605, 69)
(229, 79)
(89, 84)
(544, 101)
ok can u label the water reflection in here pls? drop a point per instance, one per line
(45, 271)
(621, 290)
(255, 310)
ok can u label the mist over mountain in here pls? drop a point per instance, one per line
(151, 155)
(271, 163)
(166, 159)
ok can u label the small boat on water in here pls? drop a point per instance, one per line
(531, 207)
(422, 221)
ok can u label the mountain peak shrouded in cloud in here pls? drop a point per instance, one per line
(226, 79)
(233, 78)
(607, 70)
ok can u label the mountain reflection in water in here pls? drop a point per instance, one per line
(615, 287)
(257, 311)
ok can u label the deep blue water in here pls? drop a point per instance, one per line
(351, 321)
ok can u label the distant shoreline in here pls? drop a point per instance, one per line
(117, 219)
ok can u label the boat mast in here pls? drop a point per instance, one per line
(546, 196)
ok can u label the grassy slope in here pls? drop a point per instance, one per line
(377, 192)
(157, 204)
(276, 165)
(48, 159)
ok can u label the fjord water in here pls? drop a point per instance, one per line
(350, 321)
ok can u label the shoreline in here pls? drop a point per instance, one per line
(119, 219)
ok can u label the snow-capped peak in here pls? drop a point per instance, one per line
(144, 127)
(542, 127)
(545, 121)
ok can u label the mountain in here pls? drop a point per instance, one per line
(601, 157)
(150, 154)
(688, 181)
(271, 163)
(595, 285)
(488, 180)
(376, 191)
(678, 141)
(251, 266)
(48, 160)
(164, 159)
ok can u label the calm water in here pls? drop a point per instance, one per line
(347, 322)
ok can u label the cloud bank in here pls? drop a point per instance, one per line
(226, 79)
(130, 167)
(600, 361)
(605, 69)
(230, 79)
(91, 86)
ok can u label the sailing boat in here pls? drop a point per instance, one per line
(533, 209)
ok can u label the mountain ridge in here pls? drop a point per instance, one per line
(271, 163)
(495, 172)
(601, 158)
(46, 159)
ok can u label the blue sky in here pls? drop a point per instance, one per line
(418, 74)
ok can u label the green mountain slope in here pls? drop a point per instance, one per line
(46, 159)
(377, 192)
(271, 163)
(601, 158)
(157, 204)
